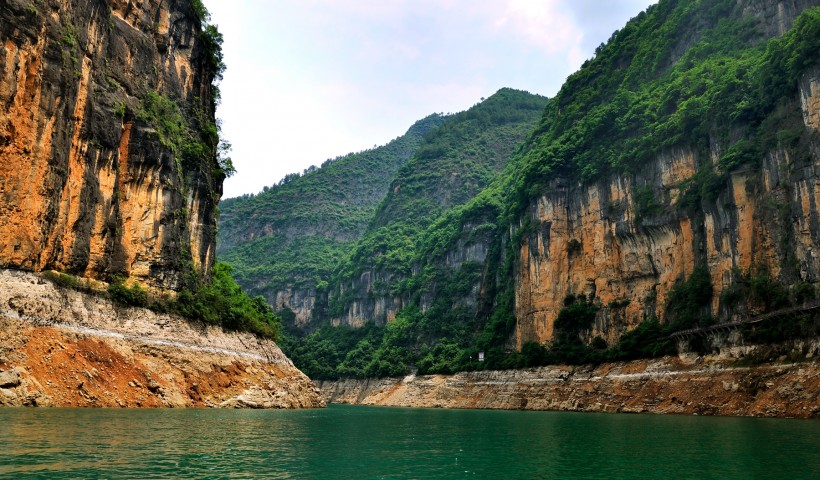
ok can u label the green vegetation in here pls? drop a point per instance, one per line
(70, 36)
(294, 234)
(133, 296)
(700, 77)
(192, 144)
(642, 94)
(200, 10)
(688, 304)
(758, 289)
(221, 301)
(65, 280)
(218, 301)
(164, 114)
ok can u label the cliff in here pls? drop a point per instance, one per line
(63, 348)
(108, 139)
(743, 206)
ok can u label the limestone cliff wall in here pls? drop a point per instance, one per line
(301, 301)
(595, 240)
(368, 298)
(368, 301)
(88, 184)
(65, 348)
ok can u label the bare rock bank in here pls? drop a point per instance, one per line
(64, 348)
(687, 384)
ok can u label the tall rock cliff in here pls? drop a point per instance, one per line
(739, 199)
(108, 138)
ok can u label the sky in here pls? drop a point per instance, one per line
(309, 80)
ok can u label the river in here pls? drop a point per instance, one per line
(371, 442)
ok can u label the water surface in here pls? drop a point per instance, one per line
(367, 442)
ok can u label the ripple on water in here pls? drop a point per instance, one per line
(362, 442)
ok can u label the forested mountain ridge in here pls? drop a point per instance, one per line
(339, 195)
(288, 242)
(453, 164)
(669, 185)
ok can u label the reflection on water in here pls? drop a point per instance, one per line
(361, 442)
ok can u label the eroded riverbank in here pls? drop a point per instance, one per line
(687, 384)
(65, 348)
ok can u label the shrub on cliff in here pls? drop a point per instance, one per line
(688, 303)
(133, 296)
(648, 340)
(222, 302)
(64, 280)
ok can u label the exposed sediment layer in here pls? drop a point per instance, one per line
(711, 385)
(64, 348)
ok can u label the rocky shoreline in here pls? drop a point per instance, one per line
(686, 384)
(64, 348)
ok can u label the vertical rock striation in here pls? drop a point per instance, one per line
(595, 241)
(107, 139)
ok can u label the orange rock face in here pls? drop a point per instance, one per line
(88, 185)
(596, 241)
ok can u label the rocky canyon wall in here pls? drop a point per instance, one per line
(627, 240)
(107, 139)
(368, 298)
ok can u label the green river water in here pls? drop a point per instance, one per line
(354, 442)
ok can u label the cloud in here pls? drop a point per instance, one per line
(312, 79)
(541, 23)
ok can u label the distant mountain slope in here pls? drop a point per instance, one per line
(454, 163)
(287, 240)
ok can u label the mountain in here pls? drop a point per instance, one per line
(668, 187)
(288, 242)
(285, 242)
(455, 162)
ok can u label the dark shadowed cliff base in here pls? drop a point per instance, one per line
(687, 384)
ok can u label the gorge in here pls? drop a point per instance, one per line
(669, 186)
(656, 218)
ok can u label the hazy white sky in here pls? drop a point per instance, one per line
(309, 80)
